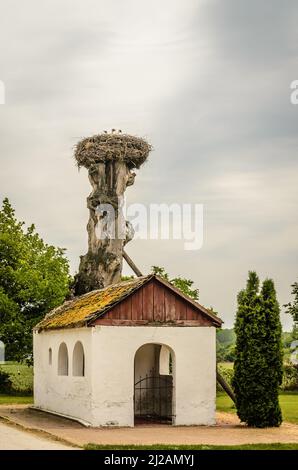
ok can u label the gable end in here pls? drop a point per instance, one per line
(154, 303)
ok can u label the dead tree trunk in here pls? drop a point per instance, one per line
(107, 229)
(110, 159)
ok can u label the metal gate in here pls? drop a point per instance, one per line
(153, 398)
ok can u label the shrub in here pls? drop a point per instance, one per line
(227, 374)
(5, 382)
(258, 363)
(290, 377)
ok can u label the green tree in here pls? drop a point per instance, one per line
(182, 283)
(34, 278)
(258, 363)
(292, 309)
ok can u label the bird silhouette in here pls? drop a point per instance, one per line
(120, 131)
(105, 132)
(113, 130)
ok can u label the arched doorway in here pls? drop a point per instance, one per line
(154, 371)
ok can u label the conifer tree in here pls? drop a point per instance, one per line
(258, 364)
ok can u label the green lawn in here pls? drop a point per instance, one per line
(12, 400)
(288, 402)
(227, 365)
(276, 446)
(21, 376)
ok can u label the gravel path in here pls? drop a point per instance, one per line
(227, 431)
(15, 439)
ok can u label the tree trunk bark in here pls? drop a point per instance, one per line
(107, 229)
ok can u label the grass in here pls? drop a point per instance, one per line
(276, 446)
(289, 406)
(21, 376)
(224, 403)
(288, 402)
(227, 365)
(13, 400)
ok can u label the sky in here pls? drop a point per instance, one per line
(207, 82)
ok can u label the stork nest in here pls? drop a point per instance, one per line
(111, 147)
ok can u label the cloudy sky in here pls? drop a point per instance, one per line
(206, 81)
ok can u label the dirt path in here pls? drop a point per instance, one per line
(228, 431)
(15, 439)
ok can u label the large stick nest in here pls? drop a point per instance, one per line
(110, 147)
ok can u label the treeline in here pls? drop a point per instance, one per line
(226, 342)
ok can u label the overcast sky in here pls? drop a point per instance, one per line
(206, 81)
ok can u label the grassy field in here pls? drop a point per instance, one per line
(21, 376)
(13, 400)
(276, 446)
(288, 402)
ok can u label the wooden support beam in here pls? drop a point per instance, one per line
(225, 386)
(131, 264)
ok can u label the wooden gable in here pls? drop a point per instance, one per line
(156, 303)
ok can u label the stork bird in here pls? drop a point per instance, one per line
(113, 130)
(105, 132)
(120, 131)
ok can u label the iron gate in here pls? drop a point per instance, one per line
(153, 398)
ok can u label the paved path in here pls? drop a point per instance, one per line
(15, 439)
(227, 431)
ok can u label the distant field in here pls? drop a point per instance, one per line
(288, 402)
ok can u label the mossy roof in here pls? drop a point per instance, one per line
(81, 310)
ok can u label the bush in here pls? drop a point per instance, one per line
(20, 377)
(290, 377)
(227, 374)
(5, 382)
(289, 381)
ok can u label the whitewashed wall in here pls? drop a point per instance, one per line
(105, 395)
(67, 395)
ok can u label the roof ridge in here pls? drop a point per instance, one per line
(84, 309)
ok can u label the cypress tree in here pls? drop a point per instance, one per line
(258, 364)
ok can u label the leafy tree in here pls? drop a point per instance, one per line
(258, 363)
(127, 278)
(292, 309)
(185, 285)
(226, 336)
(225, 345)
(34, 278)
